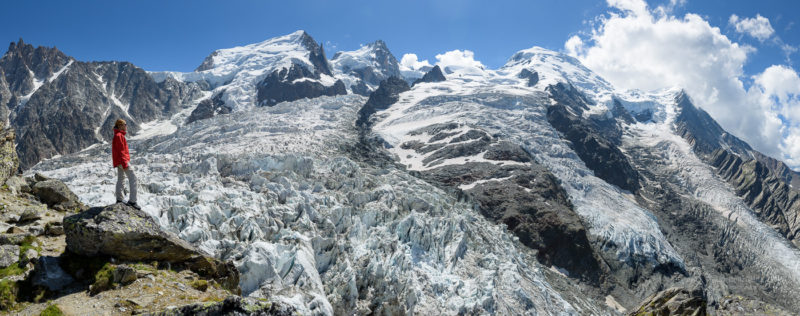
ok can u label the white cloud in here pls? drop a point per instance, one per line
(651, 49)
(412, 62)
(458, 60)
(758, 27)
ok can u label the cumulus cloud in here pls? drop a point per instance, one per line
(635, 47)
(458, 60)
(758, 27)
(411, 61)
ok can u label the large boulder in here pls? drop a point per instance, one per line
(129, 234)
(673, 301)
(9, 254)
(56, 195)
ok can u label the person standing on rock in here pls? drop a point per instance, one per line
(121, 159)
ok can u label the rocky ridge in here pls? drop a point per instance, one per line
(58, 105)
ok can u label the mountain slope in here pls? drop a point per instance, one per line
(60, 106)
(535, 188)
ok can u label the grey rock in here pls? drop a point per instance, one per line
(54, 229)
(124, 274)
(13, 239)
(673, 301)
(125, 233)
(36, 230)
(433, 75)
(774, 201)
(532, 76)
(209, 108)
(56, 194)
(28, 215)
(30, 255)
(386, 95)
(17, 185)
(9, 254)
(280, 86)
(232, 305)
(596, 151)
(9, 162)
(48, 273)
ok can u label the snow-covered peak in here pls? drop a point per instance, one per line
(554, 67)
(276, 52)
(238, 70)
(369, 55)
(363, 69)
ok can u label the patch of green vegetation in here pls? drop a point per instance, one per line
(8, 294)
(200, 285)
(28, 243)
(13, 269)
(144, 267)
(103, 279)
(52, 310)
(258, 307)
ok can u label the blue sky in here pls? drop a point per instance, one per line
(737, 59)
(177, 35)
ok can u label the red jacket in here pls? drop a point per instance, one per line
(119, 149)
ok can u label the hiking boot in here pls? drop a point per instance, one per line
(119, 201)
(134, 205)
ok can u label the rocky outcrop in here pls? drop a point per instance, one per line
(233, 305)
(58, 105)
(673, 301)
(288, 85)
(433, 75)
(599, 154)
(387, 94)
(773, 200)
(512, 189)
(209, 108)
(125, 233)
(9, 162)
(532, 76)
(702, 132)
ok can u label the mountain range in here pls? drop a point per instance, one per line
(351, 185)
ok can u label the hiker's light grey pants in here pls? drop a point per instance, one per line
(121, 174)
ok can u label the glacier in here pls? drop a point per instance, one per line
(285, 193)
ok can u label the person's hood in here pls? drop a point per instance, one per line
(116, 131)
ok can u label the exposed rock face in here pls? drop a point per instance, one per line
(511, 189)
(209, 108)
(597, 152)
(287, 85)
(532, 76)
(59, 106)
(387, 94)
(774, 201)
(9, 162)
(433, 75)
(233, 306)
(702, 132)
(128, 234)
(673, 301)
